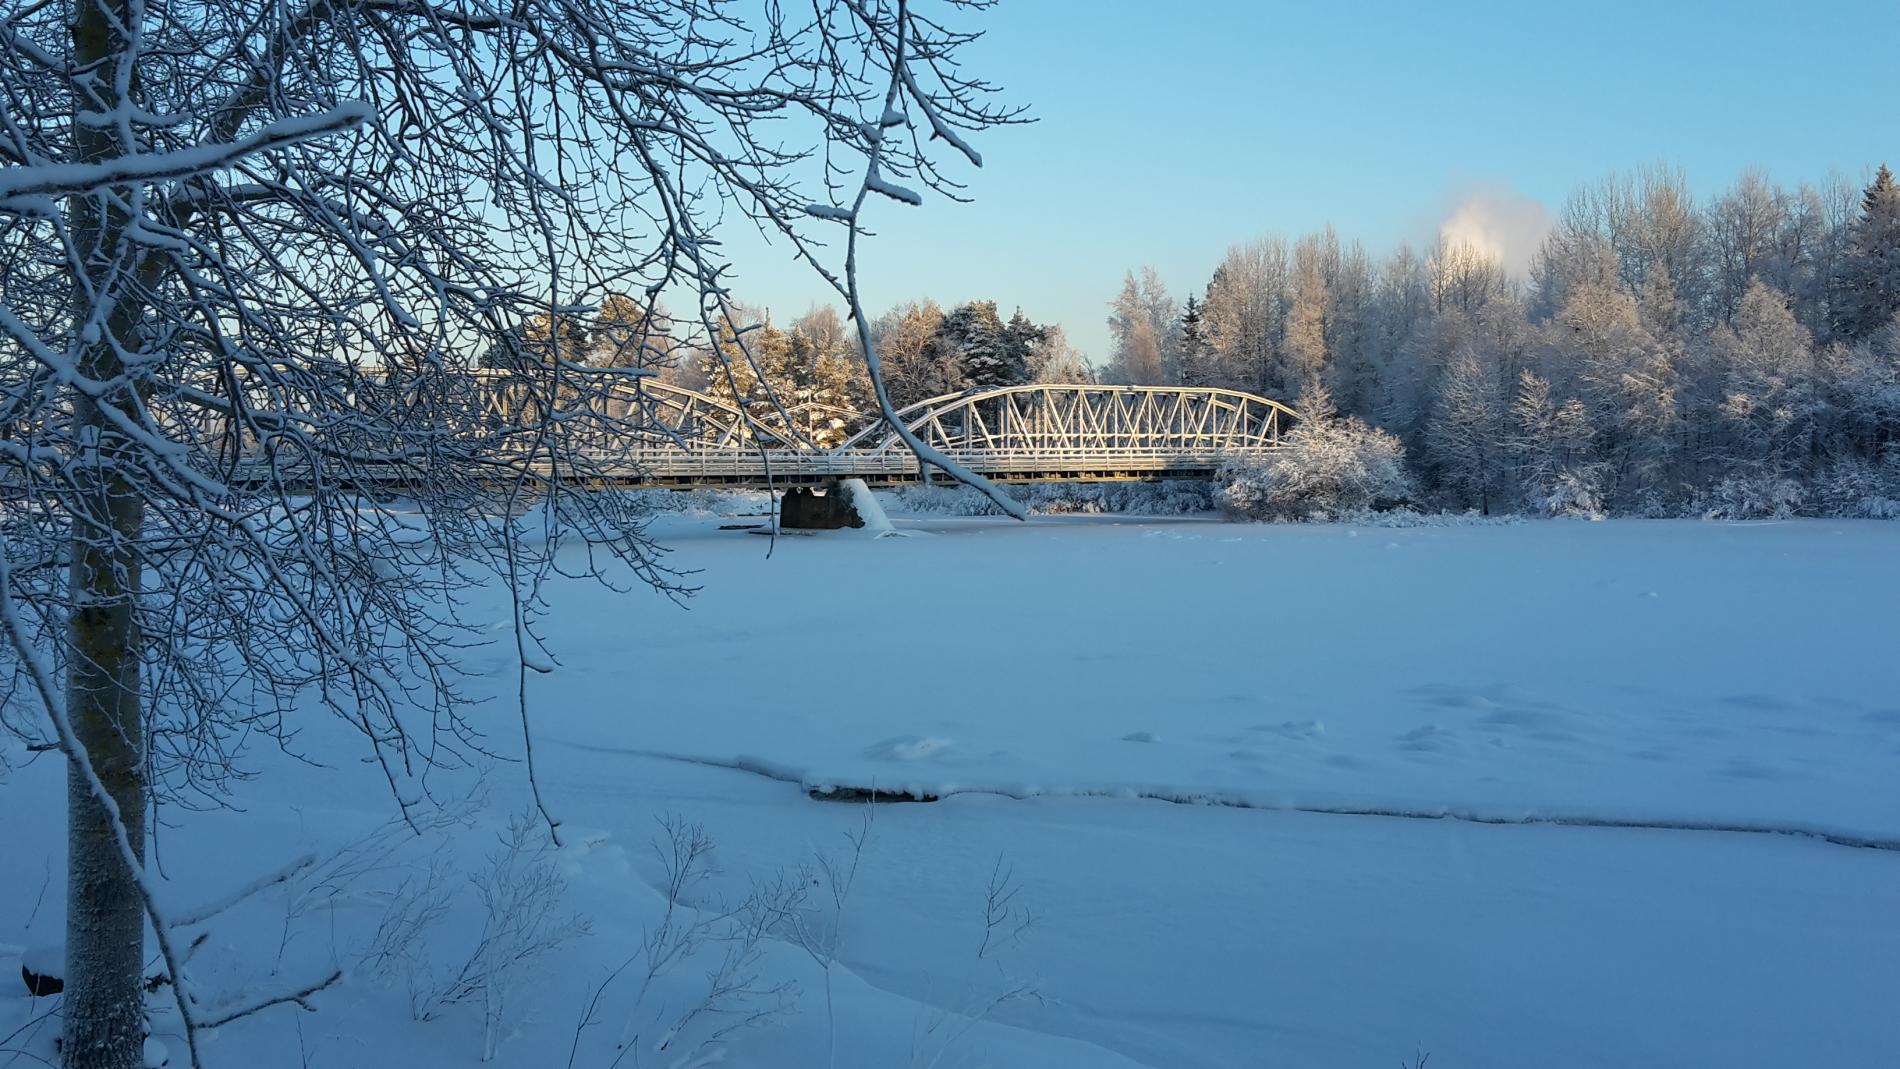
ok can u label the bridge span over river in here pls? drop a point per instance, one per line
(1014, 433)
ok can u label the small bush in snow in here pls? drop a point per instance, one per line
(521, 923)
(1573, 492)
(1173, 497)
(1852, 487)
(1326, 468)
(1754, 497)
(702, 502)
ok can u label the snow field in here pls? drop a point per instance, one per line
(1060, 685)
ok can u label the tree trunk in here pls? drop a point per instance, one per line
(105, 918)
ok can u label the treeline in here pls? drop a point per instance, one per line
(816, 364)
(811, 368)
(1739, 356)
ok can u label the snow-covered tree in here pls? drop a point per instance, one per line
(751, 368)
(250, 250)
(1576, 252)
(1599, 350)
(1741, 234)
(1637, 367)
(1465, 278)
(1327, 467)
(1769, 401)
(1350, 326)
(810, 376)
(1021, 339)
(1053, 360)
(1468, 433)
(1550, 447)
(1861, 397)
(1655, 225)
(1867, 279)
(829, 386)
(1195, 355)
(624, 333)
(1304, 368)
(1401, 309)
(1143, 324)
(918, 362)
(1244, 312)
(983, 347)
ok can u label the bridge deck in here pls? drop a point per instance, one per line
(674, 468)
(683, 469)
(883, 468)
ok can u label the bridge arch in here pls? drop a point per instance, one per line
(1073, 418)
(640, 412)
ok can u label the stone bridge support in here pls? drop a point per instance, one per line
(825, 508)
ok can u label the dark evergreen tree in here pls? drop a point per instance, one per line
(1867, 282)
(1194, 370)
(1020, 339)
(531, 343)
(981, 343)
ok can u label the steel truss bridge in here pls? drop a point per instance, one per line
(1014, 433)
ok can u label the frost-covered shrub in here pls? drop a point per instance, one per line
(1853, 487)
(702, 502)
(517, 924)
(1325, 468)
(1754, 497)
(1161, 498)
(1572, 492)
(941, 501)
(1175, 497)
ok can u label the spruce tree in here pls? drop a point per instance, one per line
(1020, 339)
(1867, 283)
(980, 341)
(1193, 347)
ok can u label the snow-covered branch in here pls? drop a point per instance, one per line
(61, 179)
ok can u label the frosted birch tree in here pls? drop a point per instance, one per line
(251, 250)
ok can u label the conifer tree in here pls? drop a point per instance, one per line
(982, 346)
(1194, 369)
(1867, 282)
(1020, 341)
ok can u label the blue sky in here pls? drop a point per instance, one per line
(1167, 132)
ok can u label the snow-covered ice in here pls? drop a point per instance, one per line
(1322, 696)
(1666, 672)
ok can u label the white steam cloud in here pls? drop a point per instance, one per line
(1500, 223)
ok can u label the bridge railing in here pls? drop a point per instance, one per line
(676, 467)
(735, 464)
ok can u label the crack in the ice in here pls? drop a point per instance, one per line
(839, 792)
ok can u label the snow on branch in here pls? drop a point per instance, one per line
(60, 179)
(219, 1016)
(211, 909)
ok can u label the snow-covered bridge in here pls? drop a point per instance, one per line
(654, 434)
(625, 429)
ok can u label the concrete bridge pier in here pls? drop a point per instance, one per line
(825, 508)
